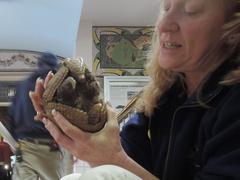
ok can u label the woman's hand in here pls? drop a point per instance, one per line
(36, 96)
(103, 147)
(98, 148)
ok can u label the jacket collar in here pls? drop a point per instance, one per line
(211, 86)
(210, 89)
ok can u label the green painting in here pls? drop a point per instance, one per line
(123, 51)
(120, 51)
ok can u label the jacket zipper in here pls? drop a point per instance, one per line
(170, 142)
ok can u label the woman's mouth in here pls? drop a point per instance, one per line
(171, 45)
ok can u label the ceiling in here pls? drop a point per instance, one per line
(120, 12)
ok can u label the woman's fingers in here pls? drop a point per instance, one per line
(39, 116)
(39, 88)
(112, 123)
(36, 98)
(112, 116)
(47, 79)
(36, 101)
(57, 134)
(111, 127)
(108, 103)
(70, 130)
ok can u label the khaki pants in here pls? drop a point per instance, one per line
(38, 162)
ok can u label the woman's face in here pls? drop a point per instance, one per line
(188, 30)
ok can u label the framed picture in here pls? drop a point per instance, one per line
(123, 51)
(119, 90)
(120, 50)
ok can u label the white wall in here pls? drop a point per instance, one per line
(84, 43)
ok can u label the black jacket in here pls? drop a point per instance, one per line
(186, 140)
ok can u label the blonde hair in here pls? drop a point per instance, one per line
(161, 80)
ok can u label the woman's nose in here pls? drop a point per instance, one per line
(168, 23)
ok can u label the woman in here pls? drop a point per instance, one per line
(188, 124)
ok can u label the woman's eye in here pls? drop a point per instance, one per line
(191, 12)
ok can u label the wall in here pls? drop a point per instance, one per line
(84, 43)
